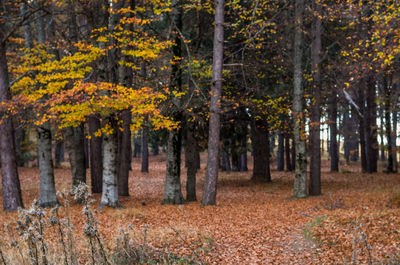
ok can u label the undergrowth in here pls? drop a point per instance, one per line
(30, 239)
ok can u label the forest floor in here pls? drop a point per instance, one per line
(355, 221)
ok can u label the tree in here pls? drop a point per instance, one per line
(300, 181)
(12, 198)
(210, 186)
(315, 161)
(173, 193)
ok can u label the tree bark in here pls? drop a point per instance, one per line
(12, 198)
(260, 143)
(58, 153)
(96, 158)
(281, 152)
(288, 153)
(74, 141)
(191, 146)
(394, 140)
(109, 196)
(315, 159)
(125, 154)
(47, 196)
(145, 151)
(333, 128)
(361, 128)
(371, 128)
(173, 193)
(210, 186)
(388, 126)
(243, 152)
(300, 180)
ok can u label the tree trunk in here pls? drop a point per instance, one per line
(382, 114)
(198, 161)
(346, 135)
(371, 128)
(47, 196)
(96, 158)
(281, 152)
(226, 162)
(145, 150)
(191, 146)
(315, 159)
(137, 146)
(394, 140)
(58, 153)
(125, 154)
(260, 143)
(109, 196)
(361, 127)
(210, 186)
(12, 198)
(333, 128)
(235, 156)
(300, 180)
(173, 193)
(243, 152)
(74, 141)
(389, 168)
(86, 149)
(287, 153)
(293, 154)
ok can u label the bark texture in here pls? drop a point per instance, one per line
(334, 150)
(300, 180)
(74, 140)
(191, 146)
(95, 155)
(12, 198)
(173, 193)
(145, 150)
(47, 194)
(315, 142)
(210, 186)
(125, 154)
(260, 142)
(109, 196)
